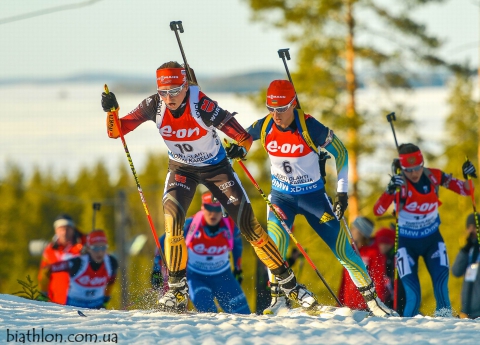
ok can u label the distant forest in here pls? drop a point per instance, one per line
(239, 83)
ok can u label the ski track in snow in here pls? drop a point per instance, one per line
(18, 315)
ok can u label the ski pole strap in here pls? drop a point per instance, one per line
(304, 131)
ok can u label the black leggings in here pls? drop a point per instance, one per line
(180, 186)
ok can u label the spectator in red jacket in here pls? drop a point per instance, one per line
(92, 275)
(385, 239)
(66, 244)
(362, 229)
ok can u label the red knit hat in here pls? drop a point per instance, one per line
(96, 237)
(409, 160)
(171, 76)
(385, 235)
(280, 93)
(210, 203)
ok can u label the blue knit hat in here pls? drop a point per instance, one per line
(364, 225)
(470, 220)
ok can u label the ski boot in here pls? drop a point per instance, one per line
(279, 301)
(296, 292)
(376, 306)
(176, 298)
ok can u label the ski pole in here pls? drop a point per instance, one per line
(322, 155)
(347, 229)
(287, 229)
(285, 55)
(96, 207)
(354, 245)
(390, 118)
(472, 190)
(177, 26)
(145, 207)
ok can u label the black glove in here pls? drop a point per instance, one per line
(341, 204)
(468, 170)
(294, 255)
(235, 151)
(238, 273)
(396, 181)
(396, 166)
(157, 280)
(109, 101)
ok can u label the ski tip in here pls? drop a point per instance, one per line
(81, 314)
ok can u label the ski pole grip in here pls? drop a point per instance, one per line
(176, 25)
(284, 53)
(391, 117)
(112, 109)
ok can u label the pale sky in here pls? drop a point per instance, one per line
(133, 36)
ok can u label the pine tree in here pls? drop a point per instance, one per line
(12, 192)
(460, 141)
(334, 38)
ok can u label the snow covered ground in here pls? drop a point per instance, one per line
(23, 321)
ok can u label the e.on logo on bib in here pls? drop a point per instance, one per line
(424, 207)
(273, 147)
(92, 281)
(181, 133)
(210, 250)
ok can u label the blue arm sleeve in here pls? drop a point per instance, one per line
(237, 248)
(339, 152)
(255, 129)
(317, 131)
(323, 137)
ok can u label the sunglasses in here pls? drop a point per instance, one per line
(281, 109)
(98, 248)
(172, 92)
(417, 168)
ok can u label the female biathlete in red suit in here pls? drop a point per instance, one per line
(418, 224)
(187, 121)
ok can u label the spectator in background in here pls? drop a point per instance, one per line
(466, 264)
(210, 238)
(362, 229)
(385, 239)
(92, 275)
(66, 244)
